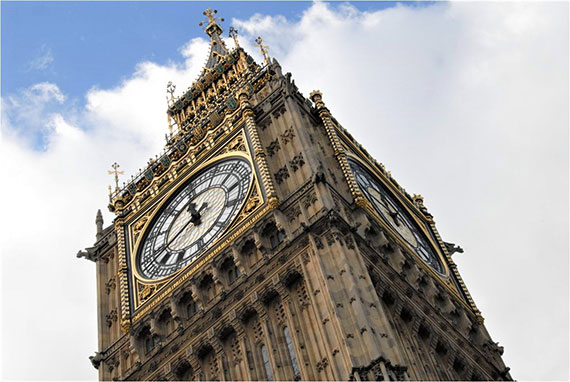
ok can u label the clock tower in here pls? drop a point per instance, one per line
(264, 243)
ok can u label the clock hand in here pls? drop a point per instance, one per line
(203, 207)
(194, 214)
(194, 219)
(394, 216)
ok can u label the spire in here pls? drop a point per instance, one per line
(99, 224)
(214, 30)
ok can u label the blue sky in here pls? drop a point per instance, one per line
(465, 103)
(79, 45)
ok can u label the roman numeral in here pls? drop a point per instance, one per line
(233, 186)
(165, 258)
(232, 202)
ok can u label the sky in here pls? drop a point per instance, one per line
(465, 103)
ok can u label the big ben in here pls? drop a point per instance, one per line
(265, 243)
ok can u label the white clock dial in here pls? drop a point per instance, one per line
(191, 220)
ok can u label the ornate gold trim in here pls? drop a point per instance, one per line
(165, 198)
(252, 208)
(188, 273)
(258, 151)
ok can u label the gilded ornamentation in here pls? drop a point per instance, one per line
(116, 173)
(138, 226)
(251, 204)
(236, 144)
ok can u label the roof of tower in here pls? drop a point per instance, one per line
(200, 109)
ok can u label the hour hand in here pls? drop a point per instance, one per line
(203, 207)
(194, 214)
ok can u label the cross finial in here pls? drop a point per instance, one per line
(263, 49)
(212, 26)
(210, 14)
(233, 34)
(116, 172)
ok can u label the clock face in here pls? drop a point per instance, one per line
(193, 218)
(395, 215)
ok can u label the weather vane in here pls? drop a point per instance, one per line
(234, 33)
(263, 49)
(116, 172)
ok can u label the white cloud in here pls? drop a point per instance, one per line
(43, 60)
(466, 103)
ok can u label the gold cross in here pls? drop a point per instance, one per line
(116, 172)
(209, 13)
(263, 49)
(234, 33)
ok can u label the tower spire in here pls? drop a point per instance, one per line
(214, 30)
(99, 224)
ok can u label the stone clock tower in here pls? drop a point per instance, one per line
(265, 243)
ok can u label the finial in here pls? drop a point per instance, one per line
(233, 34)
(115, 171)
(170, 88)
(263, 49)
(212, 25)
(317, 98)
(99, 224)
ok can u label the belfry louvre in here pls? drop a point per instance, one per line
(265, 243)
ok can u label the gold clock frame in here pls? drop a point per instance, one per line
(139, 294)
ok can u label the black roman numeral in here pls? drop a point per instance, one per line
(165, 258)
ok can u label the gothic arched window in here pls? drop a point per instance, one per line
(291, 352)
(266, 364)
(150, 342)
(191, 308)
(231, 270)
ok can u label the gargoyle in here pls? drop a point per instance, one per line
(452, 248)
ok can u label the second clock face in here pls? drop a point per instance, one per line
(395, 215)
(193, 218)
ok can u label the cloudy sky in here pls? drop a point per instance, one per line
(465, 103)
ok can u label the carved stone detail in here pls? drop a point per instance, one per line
(288, 135)
(297, 162)
(281, 174)
(273, 147)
